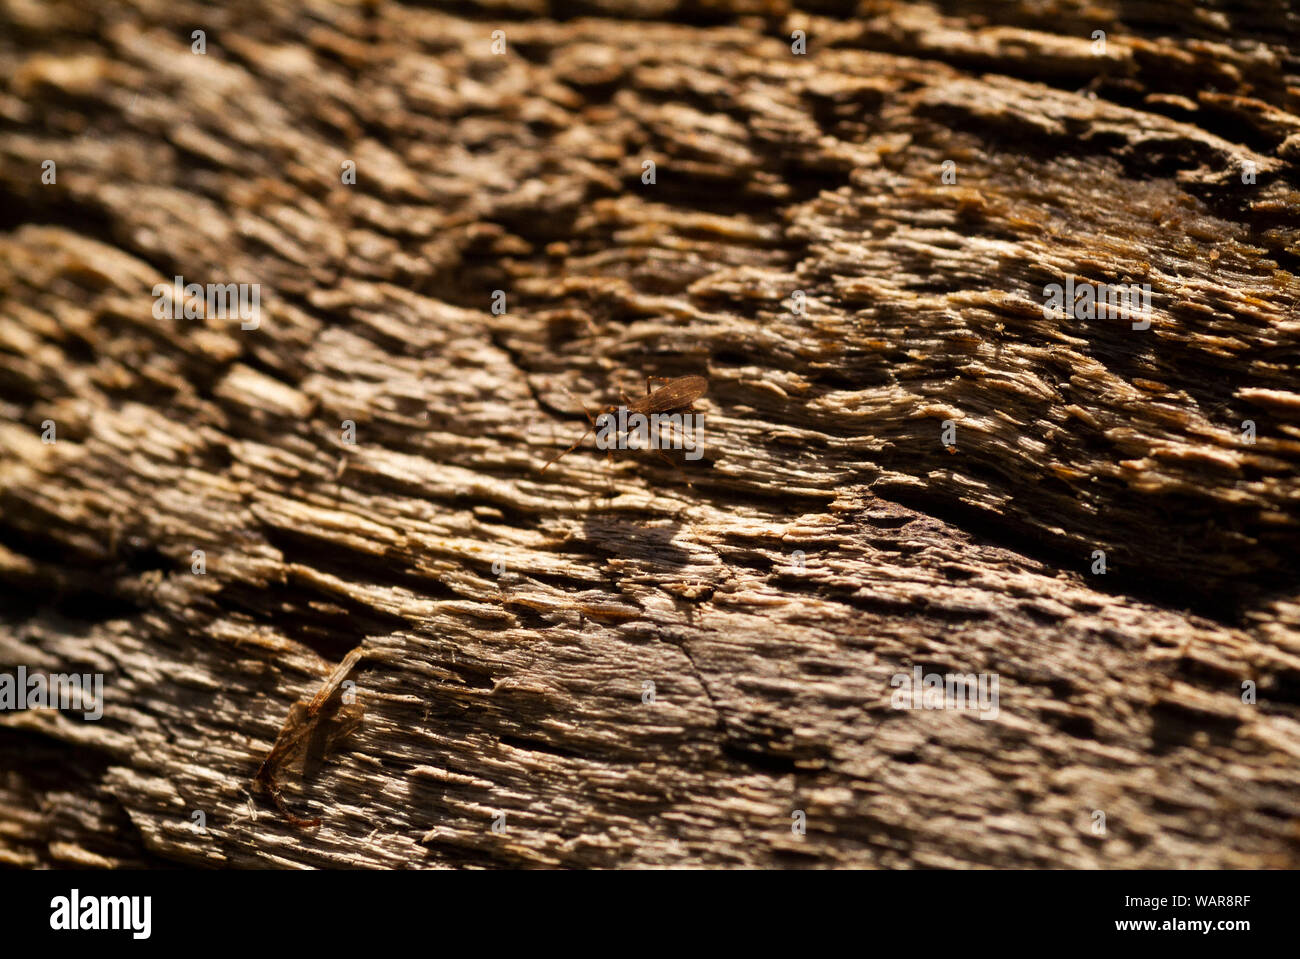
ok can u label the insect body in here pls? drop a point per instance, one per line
(676, 396)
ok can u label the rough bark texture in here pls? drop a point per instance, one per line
(510, 620)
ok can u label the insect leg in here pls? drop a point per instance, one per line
(669, 460)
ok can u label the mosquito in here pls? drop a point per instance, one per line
(677, 395)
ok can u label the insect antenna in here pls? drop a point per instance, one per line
(552, 461)
(590, 430)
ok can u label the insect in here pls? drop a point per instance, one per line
(677, 395)
(310, 730)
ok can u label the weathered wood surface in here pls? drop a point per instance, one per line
(522, 692)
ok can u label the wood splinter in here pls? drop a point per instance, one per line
(311, 730)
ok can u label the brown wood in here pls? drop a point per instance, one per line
(507, 625)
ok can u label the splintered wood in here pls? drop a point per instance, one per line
(989, 557)
(312, 729)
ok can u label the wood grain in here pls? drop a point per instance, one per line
(509, 623)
